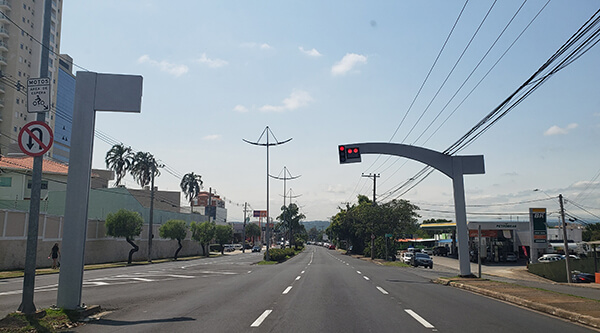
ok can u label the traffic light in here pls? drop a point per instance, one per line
(349, 154)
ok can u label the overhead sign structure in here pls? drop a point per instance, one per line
(38, 95)
(260, 213)
(35, 138)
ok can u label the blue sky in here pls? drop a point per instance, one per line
(331, 72)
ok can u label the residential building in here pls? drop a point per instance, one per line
(211, 205)
(21, 26)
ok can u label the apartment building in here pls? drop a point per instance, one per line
(21, 26)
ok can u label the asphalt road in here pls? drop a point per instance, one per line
(318, 290)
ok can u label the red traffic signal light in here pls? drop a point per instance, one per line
(349, 154)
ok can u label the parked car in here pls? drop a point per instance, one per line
(421, 259)
(331, 247)
(550, 257)
(228, 248)
(440, 251)
(256, 248)
(511, 257)
(429, 252)
(406, 256)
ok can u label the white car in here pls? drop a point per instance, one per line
(406, 257)
(550, 258)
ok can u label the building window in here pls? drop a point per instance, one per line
(44, 184)
(5, 181)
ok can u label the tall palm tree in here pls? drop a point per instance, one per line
(191, 184)
(119, 159)
(144, 169)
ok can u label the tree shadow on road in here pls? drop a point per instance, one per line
(111, 322)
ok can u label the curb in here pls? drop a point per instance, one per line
(572, 316)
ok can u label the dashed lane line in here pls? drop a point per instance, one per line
(287, 290)
(262, 318)
(383, 291)
(418, 318)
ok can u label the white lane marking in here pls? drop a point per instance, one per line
(382, 290)
(298, 278)
(249, 272)
(260, 319)
(358, 272)
(302, 272)
(181, 276)
(366, 278)
(418, 318)
(347, 264)
(287, 290)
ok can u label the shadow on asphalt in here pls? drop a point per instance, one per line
(110, 322)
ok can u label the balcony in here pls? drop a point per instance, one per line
(3, 61)
(2, 88)
(3, 46)
(5, 4)
(3, 32)
(1, 102)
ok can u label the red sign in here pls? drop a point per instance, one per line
(484, 233)
(35, 138)
(260, 213)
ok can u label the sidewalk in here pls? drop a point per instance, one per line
(575, 302)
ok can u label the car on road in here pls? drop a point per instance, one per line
(228, 248)
(406, 256)
(421, 259)
(256, 248)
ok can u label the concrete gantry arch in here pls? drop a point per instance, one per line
(452, 166)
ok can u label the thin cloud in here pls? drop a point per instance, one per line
(164, 66)
(348, 62)
(212, 63)
(297, 99)
(263, 46)
(555, 130)
(212, 137)
(240, 108)
(310, 53)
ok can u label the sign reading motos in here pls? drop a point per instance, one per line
(38, 95)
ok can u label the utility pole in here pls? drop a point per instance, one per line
(27, 306)
(374, 176)
(285, 178)
(267, 131)
(244, 229)
(565, 241)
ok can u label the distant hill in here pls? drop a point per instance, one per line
(320, 225)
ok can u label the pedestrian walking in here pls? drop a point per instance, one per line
(55, 254)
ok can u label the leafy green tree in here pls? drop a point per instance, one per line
(174, 229)
(252, 231)
(125, 223)
(203, 233)
(191, 184)
(591, 232)
(119, 159)
(313, 234)
(355, 223)
(223, 234)
(290, 218)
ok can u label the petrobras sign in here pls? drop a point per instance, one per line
(497, 225)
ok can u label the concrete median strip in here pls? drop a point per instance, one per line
(500, 291)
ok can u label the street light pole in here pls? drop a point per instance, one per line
(267, 131)
(565, 241)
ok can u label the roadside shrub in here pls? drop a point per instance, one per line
(279, 255)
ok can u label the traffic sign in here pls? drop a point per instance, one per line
(38, 95)
(35, 138)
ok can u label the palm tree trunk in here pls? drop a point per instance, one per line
(132, 251)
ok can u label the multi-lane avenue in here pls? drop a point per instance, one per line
(318, 290)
